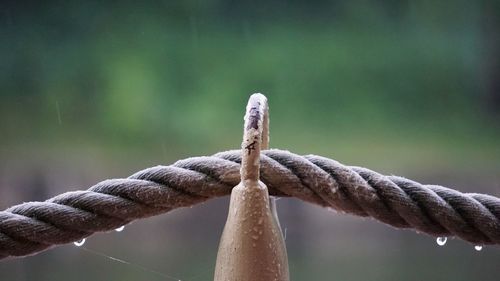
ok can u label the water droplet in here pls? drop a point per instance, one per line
(478, 247)
(441, 240)
(120, 229)
(79, 242)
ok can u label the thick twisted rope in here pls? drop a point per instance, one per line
(31, 227)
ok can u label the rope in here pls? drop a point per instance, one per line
(32, 227)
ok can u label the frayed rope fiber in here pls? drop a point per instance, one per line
(32, 227)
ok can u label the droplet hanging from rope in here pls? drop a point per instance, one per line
(80, 243)
(120, 229)
(441, 241)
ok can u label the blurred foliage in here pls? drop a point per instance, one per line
(135, 72)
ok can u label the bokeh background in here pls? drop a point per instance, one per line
(91, 90)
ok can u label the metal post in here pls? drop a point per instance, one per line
(252, 246)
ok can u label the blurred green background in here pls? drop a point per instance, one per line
(94, 90)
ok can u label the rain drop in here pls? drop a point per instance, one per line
(275, 198)
(441, 241)
(79, 242)
(120, 229)
(478, 247)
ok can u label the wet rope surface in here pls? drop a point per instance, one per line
(32, 227)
